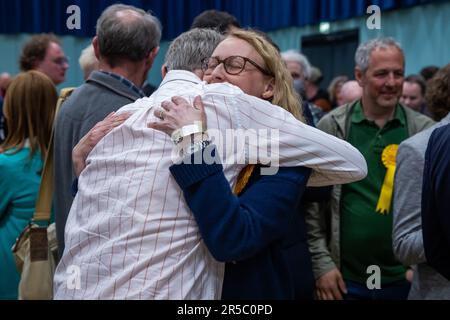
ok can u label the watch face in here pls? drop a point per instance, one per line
(191, 149)
(177, 138)
(197, 146)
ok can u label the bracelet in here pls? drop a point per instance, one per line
(179, 134)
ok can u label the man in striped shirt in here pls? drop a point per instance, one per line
(126, 44)
(130, 234)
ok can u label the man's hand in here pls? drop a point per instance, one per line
(90, 140)
(178, 113)
(330, 286)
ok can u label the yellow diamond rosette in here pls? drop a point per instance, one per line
(388, 158)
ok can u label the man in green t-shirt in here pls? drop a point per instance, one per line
(356, 260)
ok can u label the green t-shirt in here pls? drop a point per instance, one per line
(366, 235)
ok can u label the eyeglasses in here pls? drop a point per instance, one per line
(233, 65)
(61, 61)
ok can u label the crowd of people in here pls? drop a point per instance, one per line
(153, 199)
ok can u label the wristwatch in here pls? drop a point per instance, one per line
(178, 135)
(196, 146)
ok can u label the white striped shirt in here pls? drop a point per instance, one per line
(130, 234)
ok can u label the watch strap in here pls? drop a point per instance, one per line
(179, 134)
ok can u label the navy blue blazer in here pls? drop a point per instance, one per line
(436, 202)
(245, 231)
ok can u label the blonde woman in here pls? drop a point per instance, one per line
(29, 110)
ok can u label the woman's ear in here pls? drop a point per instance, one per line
(269, 89)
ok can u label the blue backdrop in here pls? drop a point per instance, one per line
(35, 16)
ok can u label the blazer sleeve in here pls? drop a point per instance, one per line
(407, 223)
(236, 228)
(316, 220)
(435, 204)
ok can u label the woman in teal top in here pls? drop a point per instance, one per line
(29, 109)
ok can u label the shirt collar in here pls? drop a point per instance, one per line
(126, 82)
(183, 75)
(358, 114)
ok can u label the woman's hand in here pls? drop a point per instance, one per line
(178, 113)
(90, 140)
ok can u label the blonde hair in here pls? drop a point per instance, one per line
(88, 61)
(29, 109)
(284, 93)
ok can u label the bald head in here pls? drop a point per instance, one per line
(126, 33)
(350, 92)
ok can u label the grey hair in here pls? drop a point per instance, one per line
(188, 50)
(127, 32)
(292, 55)
(362, 55)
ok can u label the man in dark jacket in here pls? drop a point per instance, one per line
(435, 204)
